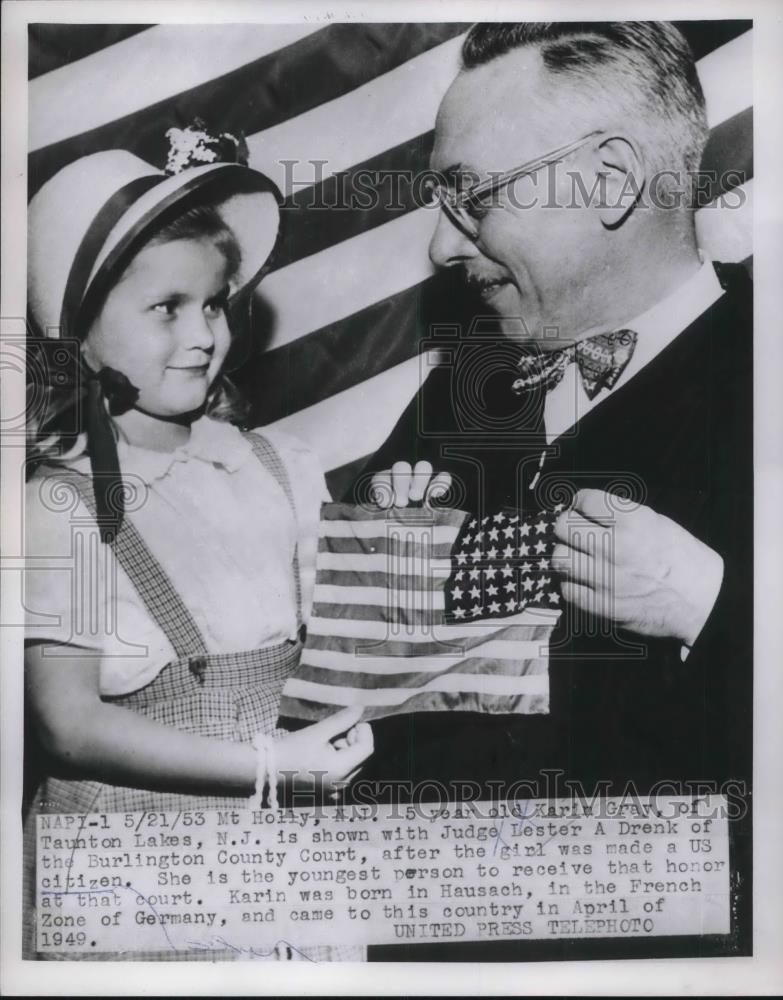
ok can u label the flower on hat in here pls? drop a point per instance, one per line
(195, 145)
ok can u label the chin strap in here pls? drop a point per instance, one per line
(109, 392)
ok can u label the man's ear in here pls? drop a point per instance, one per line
(620, 169)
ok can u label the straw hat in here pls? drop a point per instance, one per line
(85, 223)
(84, 227)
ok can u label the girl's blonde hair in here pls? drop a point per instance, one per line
(55, 423)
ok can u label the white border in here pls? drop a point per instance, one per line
(763, 974)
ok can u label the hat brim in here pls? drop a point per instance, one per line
(248, 201)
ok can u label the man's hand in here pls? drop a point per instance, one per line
(401, 485)
(634, 567)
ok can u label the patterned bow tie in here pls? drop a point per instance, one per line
(601, 360)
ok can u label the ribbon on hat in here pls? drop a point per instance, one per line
(601, 359)
(108, 392)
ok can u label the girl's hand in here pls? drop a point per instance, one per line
(399, 486)
(317, 759)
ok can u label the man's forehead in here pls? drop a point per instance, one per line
(492, 113)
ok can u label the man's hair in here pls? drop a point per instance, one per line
(643, 69)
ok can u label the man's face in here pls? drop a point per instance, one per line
(539, 263)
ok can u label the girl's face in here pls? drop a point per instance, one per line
(163, 326)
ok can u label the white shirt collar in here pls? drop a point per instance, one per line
(660, 324)
(211, 441)
(657, 327)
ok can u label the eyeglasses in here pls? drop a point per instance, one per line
(465, 208)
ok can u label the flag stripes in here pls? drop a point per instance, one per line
(487, 690)
(346, 277)
(378, 636)
(56, 45)
(271, 89)
(341, 315)
(381, 114)
(75, 99)
(354, 422)
(378, 189)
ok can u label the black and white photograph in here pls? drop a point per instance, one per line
(390, 466)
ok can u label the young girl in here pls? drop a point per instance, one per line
(170, 556)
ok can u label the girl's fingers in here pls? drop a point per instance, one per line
(439, 487)
(361, 733)
(335, 725)
(401, 483)
(421, 477)
(353, 756)
(381, 489)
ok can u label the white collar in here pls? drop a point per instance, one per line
(657, 327)
(211, 441)
(661, 323)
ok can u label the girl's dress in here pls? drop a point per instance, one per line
(240, 513)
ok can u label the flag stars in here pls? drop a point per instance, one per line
(503, 565)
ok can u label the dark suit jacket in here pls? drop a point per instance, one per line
(624, 713)
(679, 435)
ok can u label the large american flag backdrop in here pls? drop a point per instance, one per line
(338, 320)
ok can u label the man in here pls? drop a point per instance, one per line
(588, 134)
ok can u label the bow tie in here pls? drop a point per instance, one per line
(601, 360)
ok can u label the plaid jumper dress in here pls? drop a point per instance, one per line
(226, 696)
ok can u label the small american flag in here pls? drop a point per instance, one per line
(427, 610)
